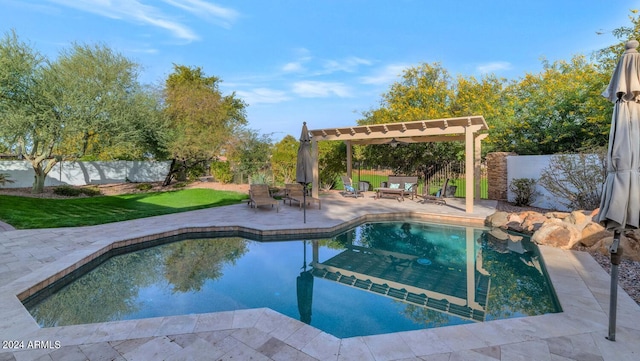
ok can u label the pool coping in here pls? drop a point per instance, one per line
(580, 283)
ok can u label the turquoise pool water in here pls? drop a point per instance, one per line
(375, 278)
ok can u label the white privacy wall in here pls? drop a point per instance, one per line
(531, 166)
(83, 173)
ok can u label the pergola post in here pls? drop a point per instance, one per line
(468, 168)
(477, 162)
(349, 159)
(314, 157)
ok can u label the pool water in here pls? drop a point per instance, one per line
(375, 278)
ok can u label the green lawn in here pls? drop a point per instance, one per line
(28, 213)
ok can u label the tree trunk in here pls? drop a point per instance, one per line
(167, 179)
(39, 178)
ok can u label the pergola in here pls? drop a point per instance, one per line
(462, 129)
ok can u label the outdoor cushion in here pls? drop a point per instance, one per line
(407, 187)
(394, 185)
(349, 188)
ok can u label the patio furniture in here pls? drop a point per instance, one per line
(439, 197)
(259, 195)
(399, 187)
(294, 192)
(349, 189)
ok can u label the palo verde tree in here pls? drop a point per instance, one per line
(51, 111)
(558, 110)
(201, 118)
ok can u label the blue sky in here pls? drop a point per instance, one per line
(321, 61)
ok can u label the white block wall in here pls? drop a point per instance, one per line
(83, 173)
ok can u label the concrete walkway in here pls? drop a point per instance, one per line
(32, 259)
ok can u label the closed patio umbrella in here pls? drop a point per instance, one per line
(304, 165)
(620, 202)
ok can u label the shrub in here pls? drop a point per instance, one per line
(180, 185)
(576, 178)
(221, 171)
(4, 179)
(69, 191)
(259, 178)
(144, 186)
(524, 190)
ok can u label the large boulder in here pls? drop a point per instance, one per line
(497, 220)
(557, 234)
(575, 230)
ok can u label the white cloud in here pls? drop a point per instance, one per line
(136, 11)
(224, 16)
(494, 66)
(293, 67)
(262, 95)
(318, 89)
(386, 75)
(348, 65)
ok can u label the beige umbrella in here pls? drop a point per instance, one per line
(620, 203)
(304, 165)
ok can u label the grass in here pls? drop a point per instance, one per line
(460, 183)
(30, 213)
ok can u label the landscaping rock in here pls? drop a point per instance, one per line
(497, 220)
(575, 230)
(557, 234)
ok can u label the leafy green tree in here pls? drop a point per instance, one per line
(250, 152)
(202, 119)
(87, 101)
(558, 110)
(283, 160)
(424, 92)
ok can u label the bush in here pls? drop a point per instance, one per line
(259, 178)
(221, 171)
(4, 178)
(180, 185)
(524, 190)
(69, 191)
(144, 186)
(576, 179)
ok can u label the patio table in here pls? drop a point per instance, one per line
(382, 191)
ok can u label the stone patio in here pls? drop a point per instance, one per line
(31, 259)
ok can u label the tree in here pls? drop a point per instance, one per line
(201, 118)
(87, 102)
(283, 160)
(424, 92)
(250, 153)
(558, 110)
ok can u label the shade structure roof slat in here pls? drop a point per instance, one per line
(415, 131)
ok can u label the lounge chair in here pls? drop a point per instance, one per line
(259, 195)
(349, 189)
(294, 192)
(439, 197)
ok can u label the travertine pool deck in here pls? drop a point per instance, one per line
(29, 260)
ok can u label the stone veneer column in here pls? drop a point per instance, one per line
(497, 175)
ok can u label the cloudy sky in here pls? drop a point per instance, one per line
(323, 61)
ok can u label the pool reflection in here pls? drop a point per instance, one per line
(375, 278)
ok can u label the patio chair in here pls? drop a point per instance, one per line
(439, 197)
(349, 189)
(294, 192)
(259, 195)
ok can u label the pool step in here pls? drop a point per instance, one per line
(401, 294)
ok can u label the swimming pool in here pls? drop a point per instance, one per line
(372, 279)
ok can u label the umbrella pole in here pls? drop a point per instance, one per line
(616, 255)
(304, 201)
